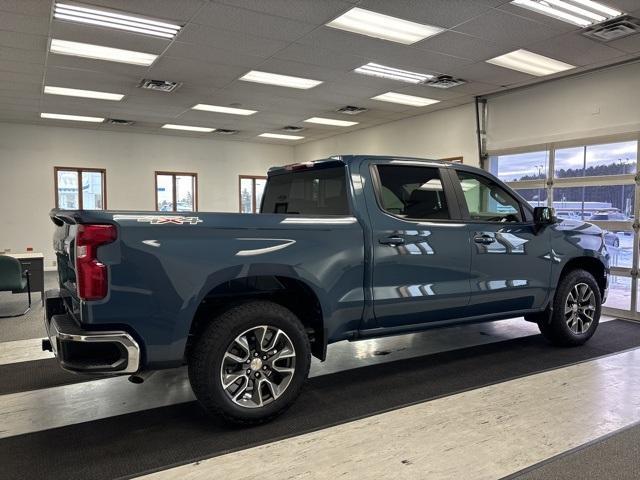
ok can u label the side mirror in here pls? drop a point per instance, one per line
(544, 216)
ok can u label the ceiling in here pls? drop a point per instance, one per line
(223, 39)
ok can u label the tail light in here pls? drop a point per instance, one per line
(91, 274)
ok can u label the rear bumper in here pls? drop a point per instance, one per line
(82, 351)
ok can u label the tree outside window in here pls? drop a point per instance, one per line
(251, 190)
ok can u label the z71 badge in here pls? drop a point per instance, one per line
(160, 219)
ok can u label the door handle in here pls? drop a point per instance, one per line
(484, 239)
(392, 241)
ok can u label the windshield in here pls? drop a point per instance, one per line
(308, 192)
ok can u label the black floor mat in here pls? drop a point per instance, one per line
(37, 374)
(156, 439)
(614, 456)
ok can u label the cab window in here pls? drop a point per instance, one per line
(487, 201)
(412, 192)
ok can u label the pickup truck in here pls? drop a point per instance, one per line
(345, 248)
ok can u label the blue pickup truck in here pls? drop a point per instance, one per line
(345, 248)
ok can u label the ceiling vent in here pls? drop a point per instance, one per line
(292, 129)
(613, 29)
(444, 81)
(119, 121)
(225, 131)
(159, 85)
(351, 110)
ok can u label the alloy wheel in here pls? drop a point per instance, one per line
(580, 308)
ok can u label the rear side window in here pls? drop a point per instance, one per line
(308, 192)
(412, 192)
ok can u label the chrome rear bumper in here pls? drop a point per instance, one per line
(83, 351)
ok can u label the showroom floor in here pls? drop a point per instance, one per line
(491, 399)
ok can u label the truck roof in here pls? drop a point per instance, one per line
(336, 160)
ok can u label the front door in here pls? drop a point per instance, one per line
(421, 253)
(510, 257)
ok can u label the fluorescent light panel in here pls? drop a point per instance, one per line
(377, 70)
(188, 127)
(330, 121)
(74, 92)
(113, 19)
(577, 12)
(280, 80)
(403, 99)
(280, 136)
(229, 110)
(531, 63)
(75, 118)
(98, 52)
(378, 25)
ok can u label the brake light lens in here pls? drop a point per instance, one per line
(91, 274)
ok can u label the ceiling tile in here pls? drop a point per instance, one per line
(90, 80)
(575, 49)
(209, 54)
(20, 55)
(260, 24)
(630, 44)
(440, 13)
(194, 72)
(21, 67)
(506, 29)
(464, 46)
(13, 22)
(26, 7)
(311, 11)
(243, 43)
(23, 41)
(323, 57)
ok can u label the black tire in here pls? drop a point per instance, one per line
(554, 327)
(206, 357)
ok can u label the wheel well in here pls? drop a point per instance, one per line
(289, 292)
(591, 265)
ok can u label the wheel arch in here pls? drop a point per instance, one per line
(592, 265)
(289, 292)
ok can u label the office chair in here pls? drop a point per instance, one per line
(14, 279)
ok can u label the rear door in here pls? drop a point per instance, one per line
(510, 257)
(421, 253)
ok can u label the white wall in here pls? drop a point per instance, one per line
(441, 134)
(29, 153)
(601, 103)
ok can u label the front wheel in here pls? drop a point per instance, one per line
(576, 310)
(250, 363)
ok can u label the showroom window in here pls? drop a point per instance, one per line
(251, 190)
(593, 180)
(80, 188)
(176, 192)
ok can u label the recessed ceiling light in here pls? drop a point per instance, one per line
(114, 19)
(280, 136)
(97, 52)
(75, 118)
(403, 99)
(376, 70)
(372, 24)
(330, 121)
(74, 92)
(280, 80)
(576, 12)
(229, 110)
(531, 63)
(188, 127)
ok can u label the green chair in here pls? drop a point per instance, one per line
(14, 279)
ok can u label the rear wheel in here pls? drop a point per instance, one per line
(576, 310)
(250, 363)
